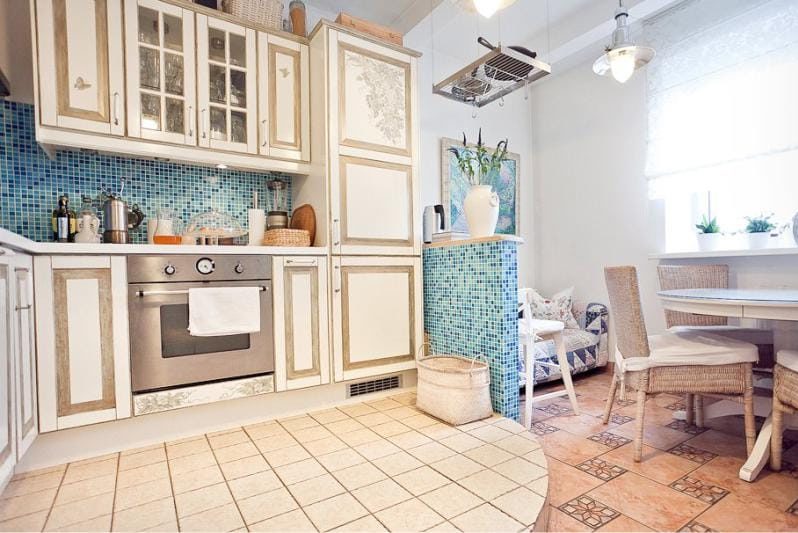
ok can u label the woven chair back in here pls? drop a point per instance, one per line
(627, 313)
(693, 277)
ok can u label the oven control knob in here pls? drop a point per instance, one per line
(239, 268)
(169, 269)
(205, 266)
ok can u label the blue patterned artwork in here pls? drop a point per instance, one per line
(455, 186)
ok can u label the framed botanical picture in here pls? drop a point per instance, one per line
(455, 186)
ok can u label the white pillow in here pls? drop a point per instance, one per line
(558, 307)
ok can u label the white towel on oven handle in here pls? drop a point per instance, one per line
(218, 311)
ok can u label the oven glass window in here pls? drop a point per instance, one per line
(176, 342)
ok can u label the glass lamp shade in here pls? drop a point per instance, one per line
(622, 62)
(487, 8)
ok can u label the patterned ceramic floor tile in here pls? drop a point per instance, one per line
(694, 454)
(681, 425)
(609, 439)
(601, 469)
(696, 488)
(541, 428)
(620, 419)
(590, 512)
(793, 508)
(676, 406)
(697, 527)
(555, 409)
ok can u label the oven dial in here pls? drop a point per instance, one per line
(169, 269)
(205, 266)
(239, 268)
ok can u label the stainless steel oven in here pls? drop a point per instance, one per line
(163, 354)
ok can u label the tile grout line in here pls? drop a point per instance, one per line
(116, 485)
(226, 482)
(55, 496)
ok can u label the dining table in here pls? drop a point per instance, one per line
(760, 304)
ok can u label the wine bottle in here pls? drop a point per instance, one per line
(62, 219)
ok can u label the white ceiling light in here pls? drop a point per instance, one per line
(622, 57)
(486, 8)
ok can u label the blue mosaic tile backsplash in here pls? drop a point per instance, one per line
(471, 307)
(31, 182)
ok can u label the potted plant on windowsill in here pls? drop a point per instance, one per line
(759, 230)
(709, 234)
(481, 204)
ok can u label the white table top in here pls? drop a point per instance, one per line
(760, 296)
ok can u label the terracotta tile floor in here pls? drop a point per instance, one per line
(687, 480)
(363, 467)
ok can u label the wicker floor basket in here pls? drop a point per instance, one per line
(286, 237)
(453, 388)
(269, 13)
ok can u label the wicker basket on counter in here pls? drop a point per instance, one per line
(286, 237)
(268, 13)
(454, 388)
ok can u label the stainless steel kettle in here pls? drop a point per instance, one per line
(429, 221)
(118, 219)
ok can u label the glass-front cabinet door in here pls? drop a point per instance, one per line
(160, 72)
(226, 78)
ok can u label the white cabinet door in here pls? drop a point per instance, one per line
(283, 98)
(82, 340)
(302, 353)
(81, 65)
(7, 441)
(374, 208)
(377, 323)
(226, 90)
(25, 355)
(161, 77)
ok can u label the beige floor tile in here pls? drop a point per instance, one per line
(165, 527)
(518, 444)
(520, 470)
(376, 449)
(264, 430)
(487, 484)
(389, 429)
(451, 500)
(660, 466)
(191, 447)
(411, 515)
(405, 398)
(571, 449)
(299, 471)
(419, 421)
(347, 425)
(95, 459)
(244, 467)
(195, 501)
(401, 413)
(521, 504)
(222, 439)
(145, 516)
(537, 457)
(472, 425)
(298, 422)
(397, 463)
(188, 463)
(315, 489)
(197, 479)
(266, 505)
(72, 492)
(432, 452)
(335, 512)
(235, 452)
(285, 456)
(141, 494)
(510, 425)
(373, 419)
(291, 521)
(540, 486)
(457, 467)
(366, 524)
(462, 442)
(225, 518)
(385, 404)
(75, 512)
(438, 431)
(486, 518)
(360, 436)
(312, 433)
(80, 471)
(359, 475)
(148, 457)
(101, 523)
(490, 433)
(20, 487)
(341, 459)
(329, 415)
(358, 409)
(421, 480)
(28, 522)
(39, 471)
(410, 439)
(488, 455)
(254, 484)
(276, 442)
(27, 504)
(142, 474)
(325, 446)
(381, 495)
(145, 448)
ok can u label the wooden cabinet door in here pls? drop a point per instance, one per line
(7, 440)
(283, 98)
(374, 208)
(25, 356)
(301, 322)
(161, 77)
(82, 342)
(81, 66)
(226, 90)
(376, 315)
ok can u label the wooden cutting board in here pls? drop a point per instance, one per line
(304, 217)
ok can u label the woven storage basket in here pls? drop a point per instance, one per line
(454, 389)
(286, 237)
(269, 13)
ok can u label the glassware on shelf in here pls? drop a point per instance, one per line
(169, 227)
(214, 226)
(277, 217)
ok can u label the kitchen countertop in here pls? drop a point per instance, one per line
(17, 242)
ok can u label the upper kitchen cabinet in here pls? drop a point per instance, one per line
(227, 81)
(80, 65)
(159, 48)
(284, 98)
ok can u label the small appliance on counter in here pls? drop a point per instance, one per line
(431, 225)
(277, 217)
(118, 219)
(88, 225)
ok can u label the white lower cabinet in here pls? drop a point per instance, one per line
(7, 440)
(377, 327)
(82, 340)
(302, 352)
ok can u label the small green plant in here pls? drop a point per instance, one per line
(479, 164)
(708, 225)
(760, 224)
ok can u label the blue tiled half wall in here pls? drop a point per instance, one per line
(31, 182)
(471, 308)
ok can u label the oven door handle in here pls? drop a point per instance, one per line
(142, 294)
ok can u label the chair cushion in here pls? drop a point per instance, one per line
(577, 339)
(788, 358)
(752, 335)
(692, 347)
(558, 307)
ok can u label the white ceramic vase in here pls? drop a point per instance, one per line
(708, 241)
(759, 240)
(481, 207)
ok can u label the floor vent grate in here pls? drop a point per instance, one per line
(375, 385)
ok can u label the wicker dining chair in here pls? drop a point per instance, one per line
(785, 400)
(677, 362)
(708, 276)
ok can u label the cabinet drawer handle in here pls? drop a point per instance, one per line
(311, 262)
(191, 120)
(265, 133)
(23, 307)
(81, 84)
(116, 109)
(202, 120)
